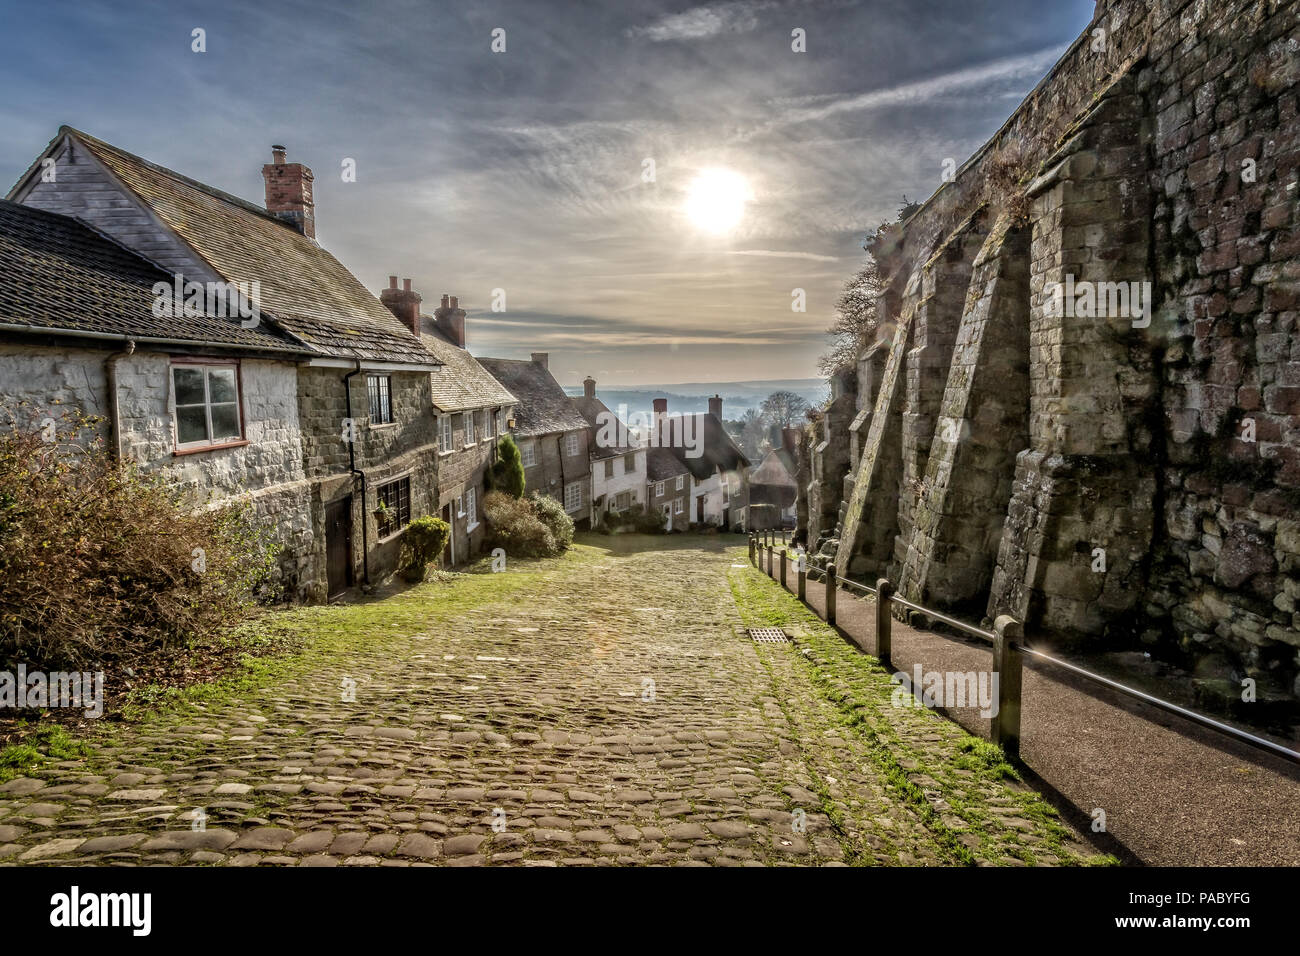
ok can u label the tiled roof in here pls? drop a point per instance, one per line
(462, 383)
(597, 414)
(305, 289)
(661, 464)
(56, 273)
(543, 407)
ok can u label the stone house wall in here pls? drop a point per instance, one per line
(387, 452)
(460, 469)
(554, 469)
(267, 472)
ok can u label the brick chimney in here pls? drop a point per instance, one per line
(450, 319)
(589, 387)
(790, 440)
(288, 192)
(715, 407)
(403, 303)
(542, 358)
(660, 414)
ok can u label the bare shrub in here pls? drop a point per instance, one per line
(100, 562)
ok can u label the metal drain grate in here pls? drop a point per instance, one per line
(769, 635)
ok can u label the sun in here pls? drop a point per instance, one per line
(715, 200)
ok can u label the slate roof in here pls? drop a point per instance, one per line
(661, 464)
(462, 382)
(305, 289)
(543, 407)
(719, 451)
(597, 413)
(57, 273)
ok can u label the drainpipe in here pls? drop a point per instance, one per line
(352, 466)
(110, 377)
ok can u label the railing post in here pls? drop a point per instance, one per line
(1007, 665)
(783, 558)
(751, 550)
(770, 551)
(830, 594)
(884, 621)
(801, 565)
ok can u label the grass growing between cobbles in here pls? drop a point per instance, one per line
(961, 788)
(279, 644)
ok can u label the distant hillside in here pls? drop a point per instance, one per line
(694, 396)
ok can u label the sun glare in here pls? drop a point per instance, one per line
(716, 200)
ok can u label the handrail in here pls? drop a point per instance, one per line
(1165, 705)
(968, 628)
(1008, 649)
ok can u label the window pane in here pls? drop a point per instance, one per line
(225, 421)
(192, 423)
(221, 385)
(189, 386)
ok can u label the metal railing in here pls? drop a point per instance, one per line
(1008, 646)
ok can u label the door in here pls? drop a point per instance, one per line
(451, 523)
(338, 545)
(699, 508)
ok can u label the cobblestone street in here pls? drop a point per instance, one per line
(602, 708)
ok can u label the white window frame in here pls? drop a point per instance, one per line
(468, 418)
(576, 487)
(528, 453)
(471, 508)
(489, 424)
(445, 436)
(659, 489)
(571, 445)
(681, 482)
(677, 505)
(238, 404)
(386, 391)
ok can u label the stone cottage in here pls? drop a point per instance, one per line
(618, 475)
(667, 487)
(305, 395)
(551, 432)
(472, 410)
(717, 491)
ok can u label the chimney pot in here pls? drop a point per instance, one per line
(392, 282)
(455, 302)
(278, 154)
(715, 407)
(406, 285)
(446, 301)
(589, 387)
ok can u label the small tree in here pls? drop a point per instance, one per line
(856, 320)
(783, 408)
(508, 470)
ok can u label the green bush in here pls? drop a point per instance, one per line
(507, 472)
(514, 526)
(100, 562)
(422, 542)
(552, 514)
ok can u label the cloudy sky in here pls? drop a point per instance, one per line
(648, 182)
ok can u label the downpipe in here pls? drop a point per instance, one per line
(352, 466)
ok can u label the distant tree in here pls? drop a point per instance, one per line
(783, 408)
(751, 433)
(856, 320)
(508, 470)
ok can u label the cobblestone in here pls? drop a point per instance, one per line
(611, 711)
